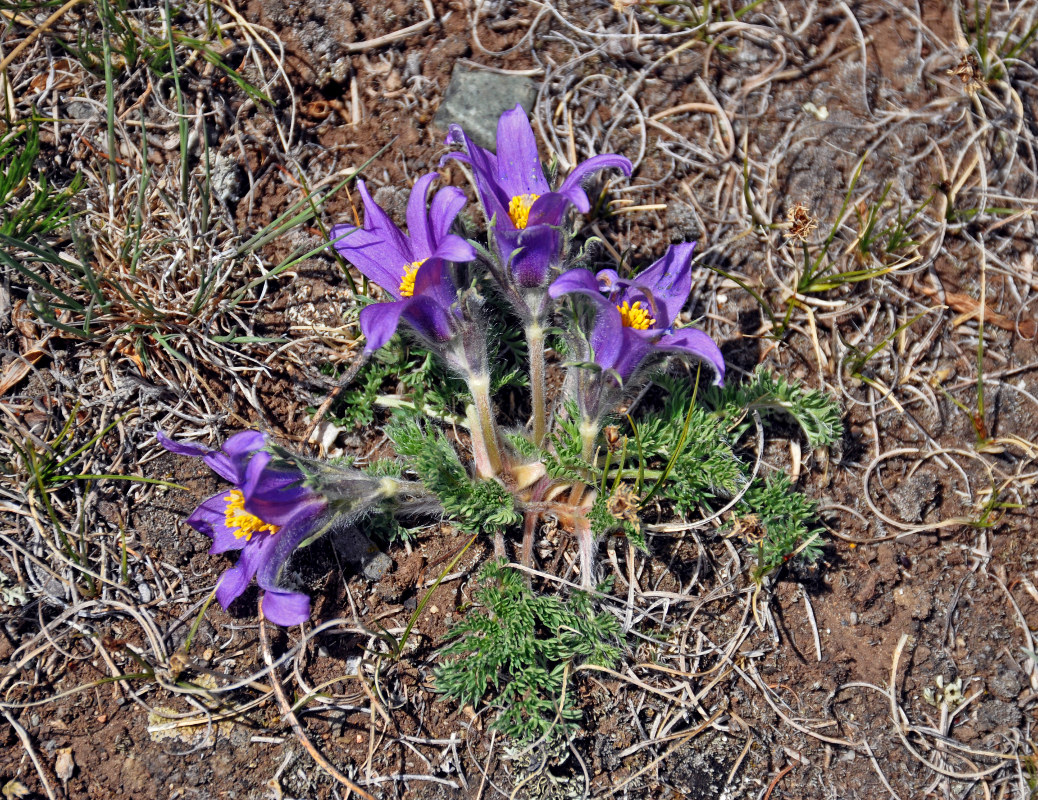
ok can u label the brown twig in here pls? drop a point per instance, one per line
(779, 777)
(289, 715)
(34, 35)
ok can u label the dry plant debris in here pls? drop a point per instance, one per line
(185, 285)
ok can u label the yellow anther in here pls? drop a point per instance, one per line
(519, 209)
(407, 282)
(635, 316)
(241, 522)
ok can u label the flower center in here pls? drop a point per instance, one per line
(635, 316)
(407, 282)
(519, 209)
(241, 521)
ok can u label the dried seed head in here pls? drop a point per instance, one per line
(748, 527)
(623, 504)
(801, 223)
(968, 72)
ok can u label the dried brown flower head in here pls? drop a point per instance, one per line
(623, 504)
(748, 527)
(612, 437)
(801, 223)
(968, 72)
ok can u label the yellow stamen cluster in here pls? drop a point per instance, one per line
(242, 523)
(519, 209)
(635, 316)
(407, 282)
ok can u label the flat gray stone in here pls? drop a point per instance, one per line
(356, 548)
(476, 98)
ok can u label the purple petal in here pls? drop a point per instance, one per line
(210, 518)
(454, 248)
(244, 444)
(548, 209)
(433, 282)
(695, 343)
(492, 195)
(379, 321)
(285, 608)
(429, 318)
(518, 166)
(444, 209)
(423, 242)
(539, 248)
(256, 553)
(580, 281)
(272, 495)
(379, 250)
(666, 284)
(634, 348)
(229, 463)
(287, 541)
(181, 448)
(571, 187)
(609, 336)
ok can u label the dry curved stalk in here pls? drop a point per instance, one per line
(293, 721)
(403, 33)
(28, 40)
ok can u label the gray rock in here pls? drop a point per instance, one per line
(78, 109)
(1004, 684)
(475, 99)
(997, 714)
(356, 548)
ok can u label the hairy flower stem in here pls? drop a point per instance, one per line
(586, 545)
(535, 344)
(485, 448)
(588, 437)
(529, 530)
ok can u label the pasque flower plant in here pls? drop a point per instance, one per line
(623, 326)
(411, 268)
(633, 326)
(570, 467)
(265, 515)
(437, 283)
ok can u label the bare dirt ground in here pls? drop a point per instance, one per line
(902, 665)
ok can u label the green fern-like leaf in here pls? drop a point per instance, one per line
(473, 506)
(814, 411)
(516, 646)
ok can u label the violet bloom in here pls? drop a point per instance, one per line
(516, 195)
(634, 318)
(266, 514)
(412, 268)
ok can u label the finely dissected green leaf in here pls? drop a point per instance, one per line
(517, 645)
(475, 506)
(787, 518)
(814, 411)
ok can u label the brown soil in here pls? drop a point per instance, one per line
(799, 705)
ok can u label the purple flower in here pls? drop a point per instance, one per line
(266, 515)
(412, 268)
(634, 318)
(516, 195)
